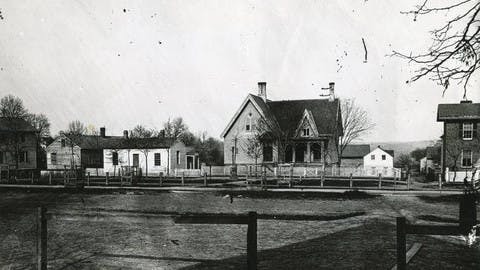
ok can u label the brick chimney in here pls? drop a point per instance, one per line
(331, 88)
(125, 134)
(262, 90)
(102, 132)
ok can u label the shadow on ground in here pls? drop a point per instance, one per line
(361, 247)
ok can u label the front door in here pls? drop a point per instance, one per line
(190, 162)
(135, 160)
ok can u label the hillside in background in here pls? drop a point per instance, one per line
(402, 147)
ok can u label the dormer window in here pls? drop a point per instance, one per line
(468, 131)
(306, 132)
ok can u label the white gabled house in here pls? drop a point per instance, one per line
(379, 161)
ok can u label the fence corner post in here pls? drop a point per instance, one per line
(401, 244)
(88, 178)
(379, 181)
(50, 178)
(42, 238)
(205, 179)
(351, 180)
(252, 241)
(160, 178)
(106, 178)
(183, 178)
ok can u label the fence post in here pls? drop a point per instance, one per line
(31, 177)
(160, 174)
(408, 181)
(351, 181)
(41, 238)
(440, 181)
(183, 178)
(205, 179)
(106, 178)
(88, 178)
(252, 241)
(379, 180)
(50, 178)
(401, 244)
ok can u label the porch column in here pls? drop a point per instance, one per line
(309, 154)
(322, 149)
(293, 153)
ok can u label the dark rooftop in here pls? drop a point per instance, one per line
(16, 124)
(458, 111)
(356, 151)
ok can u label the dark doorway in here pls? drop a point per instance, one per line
(288, 154)
(300, 151)
(135, 160)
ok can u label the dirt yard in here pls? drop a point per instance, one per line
(128, 236)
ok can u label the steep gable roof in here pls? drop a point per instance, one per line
(356, 151)
(289, 112)
(15, 124)
(458, 111)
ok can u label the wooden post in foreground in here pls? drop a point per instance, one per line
(351, 181)
(401, 244)
(408, 181)
(50, 178)
(183, 178)
(205, 179)
(88, 178)
(106, 178)
(160, 175)
(440, 181)
(379, 181)
(252, 241)
(41, 238)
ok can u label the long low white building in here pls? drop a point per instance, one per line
(151, 155)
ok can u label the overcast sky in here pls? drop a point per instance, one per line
(121, 63)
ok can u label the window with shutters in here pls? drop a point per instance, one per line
(467, 133)
(248, 123)
(372, 157)
(466, 158)
(115, 158)
(157, 159)
(384, 157)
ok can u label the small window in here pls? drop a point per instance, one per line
(62, 142)
(384, 157)
(467, 158)
(23, 157)
(306, 132)
(468, 131)
(53, 158)
(372, 157)
(157, 159)
(115, 158)
(178, 157)
(248, 122)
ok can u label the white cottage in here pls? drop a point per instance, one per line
(379, 161)
(151, 156)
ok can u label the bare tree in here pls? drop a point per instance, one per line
(454, 152)
(12, 107)
(355, 123)
(174, 128)
(141, 134)
(253, 147)
(453, 55)
(75, 128)
(140, 131)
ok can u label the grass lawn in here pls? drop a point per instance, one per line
(129, 238)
